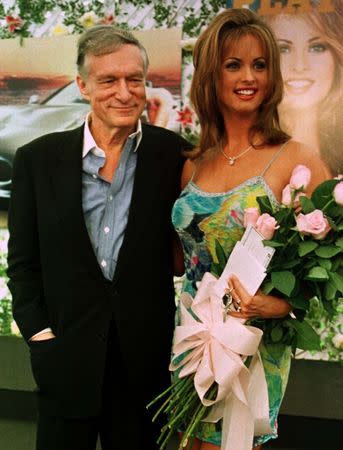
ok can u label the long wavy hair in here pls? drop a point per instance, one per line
(226, 29)
(330, 26)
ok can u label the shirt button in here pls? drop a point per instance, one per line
(94, 176)
(106, 230)
(110, 197)
(103, 263)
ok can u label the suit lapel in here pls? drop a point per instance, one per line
(67, 187)
(147, 180)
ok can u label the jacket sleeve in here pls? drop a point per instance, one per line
(24, 265)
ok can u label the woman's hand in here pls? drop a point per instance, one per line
(258, 305)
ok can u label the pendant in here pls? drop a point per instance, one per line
(231, 161)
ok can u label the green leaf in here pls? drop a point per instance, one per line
(330, 290)
(317, 273)
(339, 243)
(307, 338)
(283, 281)
(299, 302)
(272, 243)
(220, 254)
(264, 204)
(267, 287)
(306, 247)
(327, 251)
(325, 263)
(337, 280)
(307, 205)
(323, 193)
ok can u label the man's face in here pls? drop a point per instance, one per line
(115, 87)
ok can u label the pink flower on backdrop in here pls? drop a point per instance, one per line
(287, 197)
(108, 19)
(338, 193)
(185, 116)
(266, 225)
(250, 216)
(314, 223)
(301, 177)
(13, 23)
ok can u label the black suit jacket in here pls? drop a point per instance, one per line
(56, 281)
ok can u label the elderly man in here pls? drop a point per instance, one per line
(91, 256)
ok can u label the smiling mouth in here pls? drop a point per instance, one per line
(299, 85)
(245, 92)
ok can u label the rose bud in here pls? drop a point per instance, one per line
(286, 196)
(314, 224)
(301, 177)
(250, 216)
(266, 225)
(338, 193)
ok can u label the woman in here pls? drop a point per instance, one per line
(243, 154)
(312, 68)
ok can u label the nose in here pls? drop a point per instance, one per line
(300, 62)
(248, 74)
(122, 92)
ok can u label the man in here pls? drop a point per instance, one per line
(90, 256)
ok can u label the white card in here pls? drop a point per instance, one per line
(245, 266)
(252, 241)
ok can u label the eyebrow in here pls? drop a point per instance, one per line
(291, 42)
(239, 59)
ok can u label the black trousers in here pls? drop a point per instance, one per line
(123, 422)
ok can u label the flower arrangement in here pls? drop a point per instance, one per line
(307, 267)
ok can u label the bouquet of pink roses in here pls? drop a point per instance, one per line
(211, 353)
(308, 261)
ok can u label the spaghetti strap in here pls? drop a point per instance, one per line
(275, 156)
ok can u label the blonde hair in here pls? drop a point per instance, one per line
(226, 29)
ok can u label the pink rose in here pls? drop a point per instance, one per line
(287, 197)
(314, 223)
(250, 216)
(301, 177)
(338, 193)
(266, 225)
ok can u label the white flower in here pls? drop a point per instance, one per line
(188, 44)
(60, 30)
(89, 19)
(338, 340)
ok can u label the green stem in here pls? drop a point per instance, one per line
(328, 204)
(172, 386)
(181, 395)
(198, 415)
(184, 409)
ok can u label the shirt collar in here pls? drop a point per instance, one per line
(89, 143)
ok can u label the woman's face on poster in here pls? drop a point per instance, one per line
(307, 62)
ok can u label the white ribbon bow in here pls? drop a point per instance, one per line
(216, 351)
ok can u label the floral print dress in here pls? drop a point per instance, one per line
(200, 218)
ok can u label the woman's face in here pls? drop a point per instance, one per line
(307, 62)
(243, 78)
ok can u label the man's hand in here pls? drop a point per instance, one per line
(43, 336)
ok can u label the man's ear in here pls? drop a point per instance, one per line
(82, 87)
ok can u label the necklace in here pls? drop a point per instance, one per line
(232, 159)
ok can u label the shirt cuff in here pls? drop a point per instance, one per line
(41, 332)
